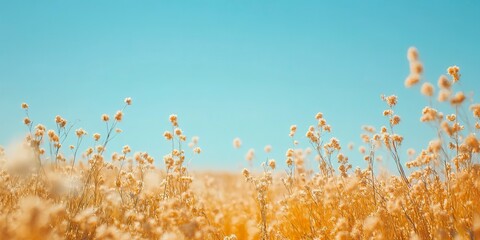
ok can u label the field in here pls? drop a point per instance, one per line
(95, 194)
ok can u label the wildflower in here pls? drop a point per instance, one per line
(362, 149)
(128, 101)
(473, 143)
(197, 150)
(289, 153)
(178, 131)
(237, 143)
(387, 112)
(319, 115)
(105, 118)
(327, 128)
(80, 132)
(475, 108)
(186, 179)
(334, 143)
(126, 149)
(173, 120)
(341, 158)
(168, 159)
(100, 149)
(245, 173)
(168, 135)
(293, 130)
(427, 89)
(416, 67)
(451, 117)
(250, 155)
(289, 161)
(443, 82)
(458, 98)
(53, 137)
(391, 100)
(443, 95)
(453, 71)
(268, 148)
(24, 106)
(412, 54)
(27, 121)
(411, 80)
(429, 114)
(395, 120)
(96, 136)
(272, 163)
(321, 122)
(119, 116)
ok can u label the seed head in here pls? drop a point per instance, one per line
(119, 116)
(105, 118)
(96, 136)
(237, 143)
(427, 89)
(128, 101)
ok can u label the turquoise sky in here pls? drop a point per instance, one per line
(229, 69)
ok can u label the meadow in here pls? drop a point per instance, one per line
(53, 189)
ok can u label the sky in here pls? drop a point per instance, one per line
(228, 69)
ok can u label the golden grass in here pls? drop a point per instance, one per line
(44, 195)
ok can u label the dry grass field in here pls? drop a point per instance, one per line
(434, 193)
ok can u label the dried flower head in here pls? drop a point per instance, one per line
(412, 80)
(458, 98)
(412, 54)
(174, 120)
(24, 106)
(453, 71)
(443, 82)
(27, 121)
(105, 117)
(475, 108)
(96, 136)
(245, 173)
(443, 95)
(128, 101)
(268, 148)
(80, 132)
(197, 150)
(416, 67)
(237, 143)
(427, 89)
(178, 131)
(119, 116)
(250, 154)
(395, 120)
(168, 135)
(272, 163)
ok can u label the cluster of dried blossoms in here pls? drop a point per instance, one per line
(45, 193)
(437, 198)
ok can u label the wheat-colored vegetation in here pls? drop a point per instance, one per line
(434, 193)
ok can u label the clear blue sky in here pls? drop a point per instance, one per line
(229, 69)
